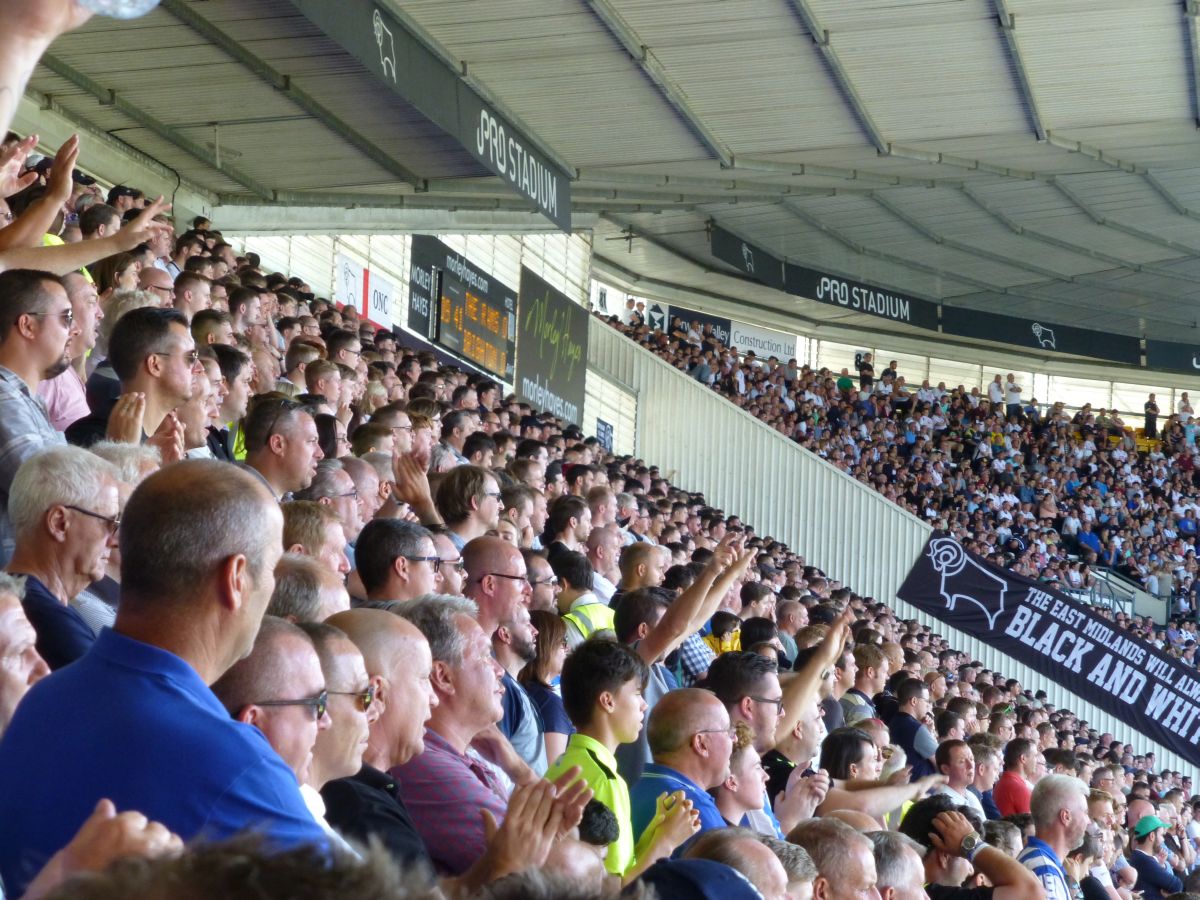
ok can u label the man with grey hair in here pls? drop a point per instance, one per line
(65, 509)
(741, 850)
(97, 603)
(1060, 819)
(845, 860)
(445, 788)
(899, 870)
(199, 541)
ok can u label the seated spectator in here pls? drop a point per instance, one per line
(444, 788)
(314, 530)
(22, 665)
(281, 445)
(283, 659)
(178, 628)
(514, 646)
(1023, 765)
(748, 685)
(844, 859)
(602, 686)
(955, 760)
(1153, 878)
(899, 872)
(496, 580)
(952, 849)
(691, 740)
(332, 485)
(586, 614)
(908, 729)
(396, 560)
(1060, 820)
(306, 591)
(36, 321)
(64, 507)
(741, 850)
(543, 671)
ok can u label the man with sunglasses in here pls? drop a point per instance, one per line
(36, 325)
(396, 560)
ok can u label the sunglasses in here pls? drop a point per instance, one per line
(365, 697)
(318, 704)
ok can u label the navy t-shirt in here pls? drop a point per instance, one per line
(62, 633)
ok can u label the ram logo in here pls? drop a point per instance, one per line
(387, 47)
(960, 574)
(748, 258)
(1044, 336)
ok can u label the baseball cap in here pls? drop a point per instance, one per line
(122, 191)
(1147, 824)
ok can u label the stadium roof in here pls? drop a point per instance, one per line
(1033, 157)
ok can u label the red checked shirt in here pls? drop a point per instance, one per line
(444, 792)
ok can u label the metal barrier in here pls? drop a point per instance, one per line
(749, 469)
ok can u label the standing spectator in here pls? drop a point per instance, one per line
(1151, 425)
(1023, 765)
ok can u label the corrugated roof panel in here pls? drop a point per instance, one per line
(1095, 66)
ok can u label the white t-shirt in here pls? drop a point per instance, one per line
(996, 392)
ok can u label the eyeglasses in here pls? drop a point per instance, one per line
(730, 732)
(66, 316)
(455, 564)
(402, 428)
(778, 702)
(353, 493)
(191, 357)
(435, 562)
(113, 522)
(495, 494)
(553, 579)
(318, 704)
(365, 697)
(159, 287)
(524, 578)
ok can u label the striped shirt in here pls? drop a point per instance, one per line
(1043, 862)
(24, 430)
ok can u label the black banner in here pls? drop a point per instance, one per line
(722, 328)
(857, 296)
(552, 345)
(747, 258)
(1173, 356)
(1040, 335)
(426, 260)
(1063, 640)
(370, 33)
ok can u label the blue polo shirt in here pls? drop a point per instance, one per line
(135, 723)
(63, 635)
(658, 779)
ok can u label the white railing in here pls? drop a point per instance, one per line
(844, 527)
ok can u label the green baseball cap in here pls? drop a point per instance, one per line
(1147, 824)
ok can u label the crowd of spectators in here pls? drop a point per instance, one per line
(1048, 493)
(289, 609)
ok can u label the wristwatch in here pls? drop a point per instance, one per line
(971, 844)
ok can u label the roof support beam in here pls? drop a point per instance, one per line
(1008, 27)
(1017, 228)
(799, 170)
(111, 98)
(654, 70)
(1191, 14)
(840, 74)
(187, 14)
(431, 201)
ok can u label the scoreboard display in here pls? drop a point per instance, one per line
(475, 316)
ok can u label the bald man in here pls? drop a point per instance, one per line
(398, 663)
(159, 283)
(690, 738)
(496, 580)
